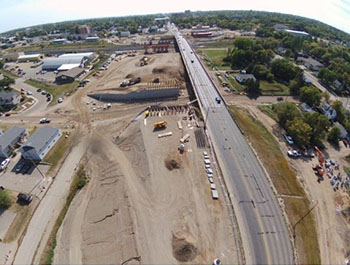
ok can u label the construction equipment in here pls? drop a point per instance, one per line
(320, 156)
(160, 124)
(182, 148)
(319, 170)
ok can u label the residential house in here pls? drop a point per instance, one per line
(9, 98)
(305, 107)
(327, 110)
(40, 143)
(9, 139)
(343, 132)
(310, 63)
(242, 78)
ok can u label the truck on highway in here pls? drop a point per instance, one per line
(160, 124)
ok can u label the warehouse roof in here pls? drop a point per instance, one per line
(65, 67)
(28, 56)
(81, 54)
(41, 138)
(68, 58)
(10, 135)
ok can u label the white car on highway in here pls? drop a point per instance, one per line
(4, 164)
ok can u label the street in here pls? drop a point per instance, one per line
(264, 232)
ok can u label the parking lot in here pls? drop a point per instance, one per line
(31, 72)
(24, 176)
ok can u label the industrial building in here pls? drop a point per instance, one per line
(297, 33)
(92, 39)
(84, 29)
(69, 76)
(59, 41)
(29, 57)
(67, 61)
(40, 143)
(9, 139)
(125, 34)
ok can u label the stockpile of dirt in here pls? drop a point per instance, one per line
(130, 76)
(172, 164)
(184, 246)
(159, 70)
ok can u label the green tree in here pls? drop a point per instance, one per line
(6, 81)
(334, 135)
(283, 69)
(310, 95)
(338, 107)
(326, 96)
(244, 43)
(327, 76)
(5, 199)
(253, 87)
(300, 131)
(319, 124)
(286, 111)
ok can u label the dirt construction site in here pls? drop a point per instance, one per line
(146, 201)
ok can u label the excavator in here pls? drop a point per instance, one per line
(319, 170)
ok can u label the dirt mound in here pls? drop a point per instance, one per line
(172, 164)
(183, 245)
(158, 70)
(130, 76)
(344, 202)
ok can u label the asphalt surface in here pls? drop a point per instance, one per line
(264, 232)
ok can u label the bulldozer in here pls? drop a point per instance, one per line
(160, 125)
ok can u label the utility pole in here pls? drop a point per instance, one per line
(302, 218)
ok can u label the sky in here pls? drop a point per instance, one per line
(25, 13)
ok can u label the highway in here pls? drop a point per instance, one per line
(263, 229)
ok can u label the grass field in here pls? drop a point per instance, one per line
(67, 46)
(235, 84)
(285, 181)
(221, 43)
(56, 91)
(267, 109)
(8, 74)
(216, 57)
(58, 151)
(273, 89)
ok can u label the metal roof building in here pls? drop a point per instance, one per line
(9, 139)
(29, 57)
(70, 75)
(40, 143)
(52, 64)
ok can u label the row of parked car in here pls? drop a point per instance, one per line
(210, 175)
